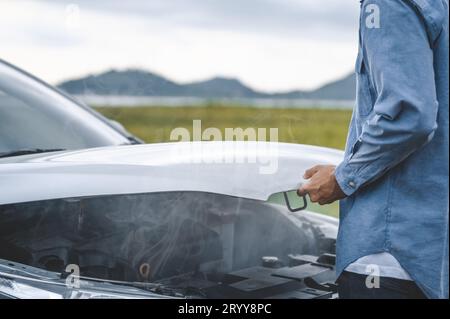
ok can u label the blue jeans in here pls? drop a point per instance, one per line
(353, 286)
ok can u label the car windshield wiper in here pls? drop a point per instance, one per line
(30, 151)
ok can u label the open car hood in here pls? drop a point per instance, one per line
(253, 170)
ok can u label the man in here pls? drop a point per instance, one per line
(393, 235)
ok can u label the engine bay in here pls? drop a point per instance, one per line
(197, 245)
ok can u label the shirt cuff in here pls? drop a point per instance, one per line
(346, 179)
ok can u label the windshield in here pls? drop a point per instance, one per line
(34, 116)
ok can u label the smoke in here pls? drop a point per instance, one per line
(151, 237)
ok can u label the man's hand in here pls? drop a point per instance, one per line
(322, 186)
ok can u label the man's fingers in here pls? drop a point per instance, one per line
(304, 189)
(310, 172)
(314, 197)
(309, 189)
(321, 186)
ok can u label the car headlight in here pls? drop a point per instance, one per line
(14, 289)
(22, 287)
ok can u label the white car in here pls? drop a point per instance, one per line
(87, 211)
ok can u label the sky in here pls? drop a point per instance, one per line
(270, 45)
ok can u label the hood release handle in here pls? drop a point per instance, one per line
(296, 209)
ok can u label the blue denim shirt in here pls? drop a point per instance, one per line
(396, 170)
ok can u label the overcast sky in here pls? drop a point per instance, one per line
(271, 45)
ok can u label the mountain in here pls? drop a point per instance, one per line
(134, 82)
(221, 87)
(342, 89)
(129, 82)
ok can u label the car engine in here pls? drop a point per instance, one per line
(197, 245)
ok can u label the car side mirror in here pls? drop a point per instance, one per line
(118, 126)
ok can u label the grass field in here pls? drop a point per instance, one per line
(306, 126)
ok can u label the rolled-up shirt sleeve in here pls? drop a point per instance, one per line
(399, 63)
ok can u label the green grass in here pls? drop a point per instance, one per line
(305, 126)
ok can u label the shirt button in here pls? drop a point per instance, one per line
(352, 184)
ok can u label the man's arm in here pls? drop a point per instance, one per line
(399, 58)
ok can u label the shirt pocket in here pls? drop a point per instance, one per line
(365, 96)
